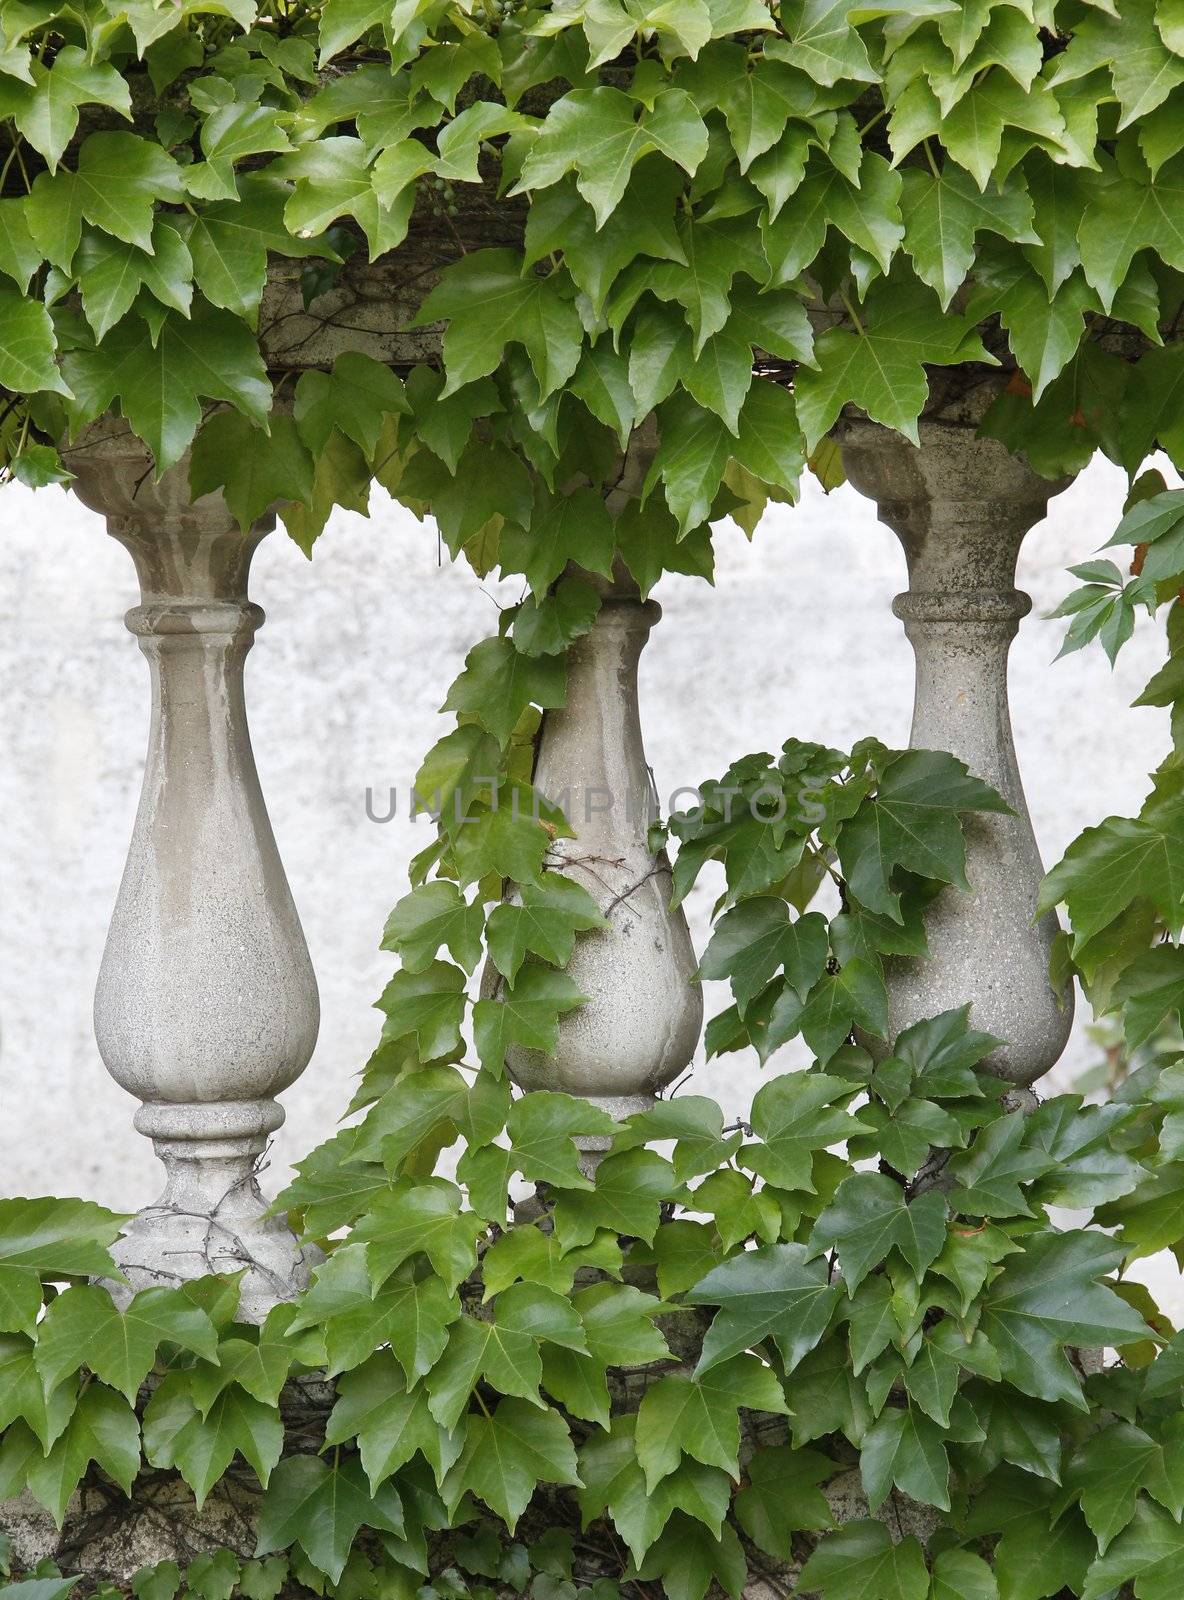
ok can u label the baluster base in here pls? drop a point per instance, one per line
(212, 1216)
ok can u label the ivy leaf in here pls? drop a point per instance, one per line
(53, 1239)
(428, 1006)
(860, 1562)
(942, 214)
(83, 1327)
(502, 1351)
(435, 914)
(254, 470)
(1146, 1555)
(795, 1116)
(27, 347)
(527, 1016)
(905, 1449)
(912, 822)
(688, 1557)
(692, 454)
(574, 527)
(418, 1106)
(528, 1253)
(229, 242)
(357, 397)
(547, 627)
(870, 1216)
(412, 1314)
(701, 1416)
(598, 134)
(854, 996)
(260, 1365)
(117, 182)
(19, 256)
(990, 1173)
(46, 111)
(333, 178)
(544, 923)
(425, 1218)
(1126, 216)
(103, 1429)
(1048, 1298)
(866, 211)
(1087, 1170)
(158, 385)
(542, 1126)
(1107, 1472)
(488, 304)
(781, 1497)
(961, 1575)
(696, 1123)
(498, 683)
(756, 939)
(507, 1455)
(629, 1191)
(880, 368)
(821, 42)
(176, 1434)
(1121, 860)
(320, 1508)
(774, 1292)
(614, 1483)
(769, 442)
(111, 274)
(389, 1421)
(23, 1395)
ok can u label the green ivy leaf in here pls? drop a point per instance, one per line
(795, 1116)
(861, 1562)
(544, 923)
(320, 1508)
(774, 1292)
(1048, 1298)
(507, 1455)
(435, 914)
(912, 822)
(425, 1218)
(389, 1421)
(429, 1006)
(201, 1447)
(158, 383)
(103, 1429)
(116, 184)
(489, 304)
(700, 1416)
(526, 1016)
(870, 1216)
(498, 684)
(83, 1327)
(782, 1497)
(597, 134)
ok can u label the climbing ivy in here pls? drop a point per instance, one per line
(641, 258)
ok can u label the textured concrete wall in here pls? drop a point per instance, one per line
(344, 684)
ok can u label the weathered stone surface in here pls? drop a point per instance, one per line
(961, 506)
(206, 1005)
(639, 1026)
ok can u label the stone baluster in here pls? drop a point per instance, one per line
(206, 1005)
(641, 1022)
(961, 506)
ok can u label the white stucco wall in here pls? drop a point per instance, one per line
(344, 684)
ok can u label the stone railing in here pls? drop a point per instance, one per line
(207, 1003)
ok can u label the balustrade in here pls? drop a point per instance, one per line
(638, 1028)
(206, 1005)
(961, 506)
